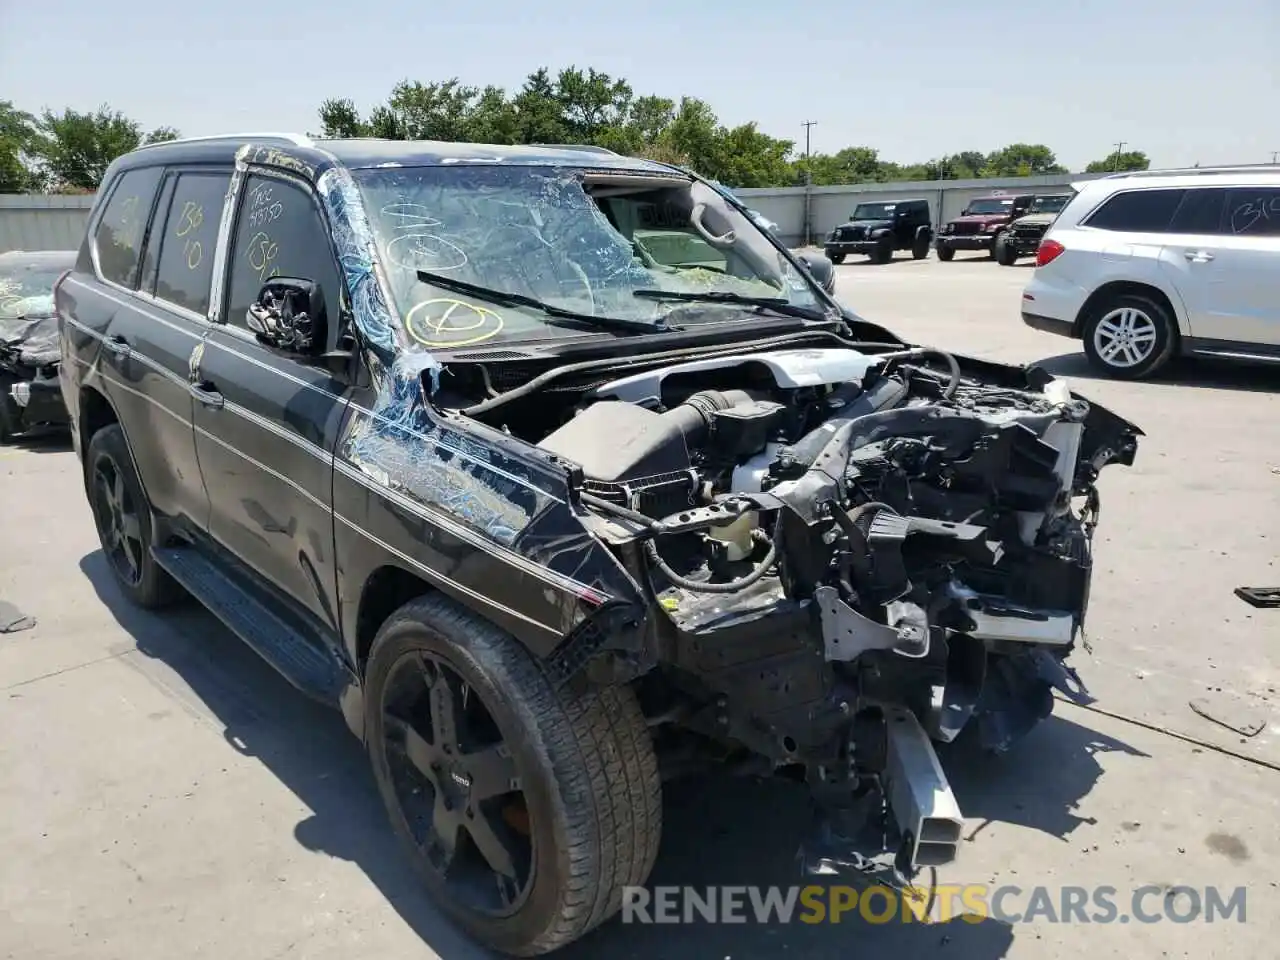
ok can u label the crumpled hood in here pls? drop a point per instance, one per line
(34, 339)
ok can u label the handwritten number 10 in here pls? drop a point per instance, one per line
(189, 221)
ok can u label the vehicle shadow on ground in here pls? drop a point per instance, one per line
(898, 260)
(43, 441)
(1038, 783)
(718, 831)
(1260, 377)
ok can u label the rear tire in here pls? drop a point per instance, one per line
(580, 774)
(1129, 336)
(945, 254)
(122, 514)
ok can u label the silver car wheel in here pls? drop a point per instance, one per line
(1125, 337)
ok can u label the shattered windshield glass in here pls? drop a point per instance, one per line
(575, 240)
(28, 324)
(27, 293)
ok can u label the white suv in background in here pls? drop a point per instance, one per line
(1145, 266)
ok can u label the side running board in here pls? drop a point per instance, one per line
(302, 662)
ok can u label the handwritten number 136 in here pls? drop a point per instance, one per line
(262, 253)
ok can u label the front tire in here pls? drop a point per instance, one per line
(8, 422)
(486, 770)
(920, 249)
(836, 257)
(884, 250)
(1129, 336)
(122, 514)
(945, 254)
(1006, 255)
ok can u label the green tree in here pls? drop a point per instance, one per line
(748, 158)
(493, 118)
(1022, 160)
(850, 165)
(340, 119)
(694, 135)
(76, 148)
(591, 102)
(539, 115)
(17, 132)
(1120, 161)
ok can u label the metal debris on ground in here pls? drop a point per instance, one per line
(1259, 596)
(12, 619)
(1231, 712)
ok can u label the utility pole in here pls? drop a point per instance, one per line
(1119, 148)
(808, 185)
(1274, 154)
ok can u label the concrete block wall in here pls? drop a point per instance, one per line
(39, 222)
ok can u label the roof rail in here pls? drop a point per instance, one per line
(584, 147)
(297, 139)
(1223, 169)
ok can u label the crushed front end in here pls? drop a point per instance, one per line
(852, 556)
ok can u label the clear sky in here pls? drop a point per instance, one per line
(1185, 80)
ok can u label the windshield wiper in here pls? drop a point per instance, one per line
(779, 304)
(506, 299)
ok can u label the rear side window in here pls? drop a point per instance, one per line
(121, 229)
(278, 233)
(1200, 211)
(1254, 212)
(187, 239)
(1137, 211)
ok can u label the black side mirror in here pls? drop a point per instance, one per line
(289, 315)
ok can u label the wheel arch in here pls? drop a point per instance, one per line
(1117, 288)
(386, 589)
(94, 411)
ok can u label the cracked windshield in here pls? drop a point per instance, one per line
(522, 253)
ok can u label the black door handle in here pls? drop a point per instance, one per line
(207, 395)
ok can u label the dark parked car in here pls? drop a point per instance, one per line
(1023, 235)
(878, 229)
(980, 224)
(557, 475)
(29, 393)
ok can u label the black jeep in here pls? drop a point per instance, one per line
(878, 229)
(555, 472)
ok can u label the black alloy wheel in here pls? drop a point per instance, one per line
(119, 521)
(455, 780)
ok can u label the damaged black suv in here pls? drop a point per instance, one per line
(546, 466)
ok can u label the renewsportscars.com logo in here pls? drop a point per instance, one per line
(970, 902)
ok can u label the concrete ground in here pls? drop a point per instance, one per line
(163, 794)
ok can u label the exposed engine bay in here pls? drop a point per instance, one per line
(852, 555)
